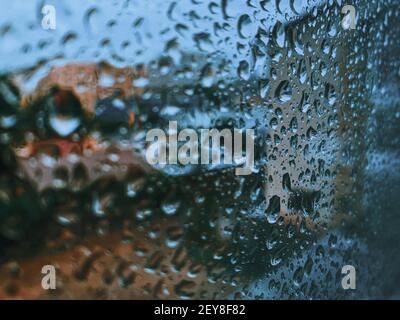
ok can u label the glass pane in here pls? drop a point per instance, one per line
(200, 149)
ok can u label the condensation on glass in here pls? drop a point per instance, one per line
(77, 193)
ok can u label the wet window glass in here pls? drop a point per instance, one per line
(199, 149)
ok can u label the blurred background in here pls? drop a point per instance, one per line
(81, 82)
